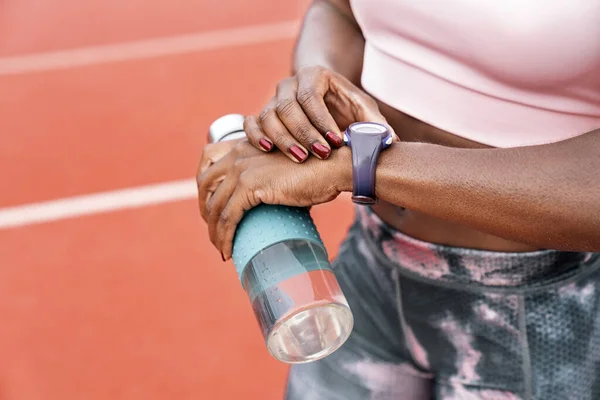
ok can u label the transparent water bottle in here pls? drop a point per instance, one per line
(284, 268)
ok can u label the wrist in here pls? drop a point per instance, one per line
(343, 169)
(404, 173)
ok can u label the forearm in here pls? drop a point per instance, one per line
(547, 196)
(330, 37)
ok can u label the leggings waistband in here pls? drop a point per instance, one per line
(470, 266)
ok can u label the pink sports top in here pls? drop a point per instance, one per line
(504, 73)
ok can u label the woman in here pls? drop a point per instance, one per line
(477, 274)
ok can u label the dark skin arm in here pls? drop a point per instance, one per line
(330, 38)
(547, 196)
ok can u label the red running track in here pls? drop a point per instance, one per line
(132, 303)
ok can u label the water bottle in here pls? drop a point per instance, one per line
(284, 268)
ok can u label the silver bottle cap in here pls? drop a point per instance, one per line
(227, 127)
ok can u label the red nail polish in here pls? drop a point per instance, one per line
(321, 150)
(334, 139)
(298, 153)
(265, 144)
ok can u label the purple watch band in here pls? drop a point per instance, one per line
(367, 140)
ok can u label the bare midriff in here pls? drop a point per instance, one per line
(425, 227)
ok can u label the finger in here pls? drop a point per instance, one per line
(205, 162)
(213, 152)
(208, 181)
(255, 135)
(276, 131)
(366, 109)
(229, 219)
(369, 111)
(215, 206)
(297, 123)
(341, 96)
(312, 86)
(206, 199)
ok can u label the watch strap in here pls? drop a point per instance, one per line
(365, 153)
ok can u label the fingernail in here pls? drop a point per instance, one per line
(334, 139)
(321, 150)
(223, 257)
(265, 144)
(298, 153)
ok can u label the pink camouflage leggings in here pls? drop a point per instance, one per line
(439, 322)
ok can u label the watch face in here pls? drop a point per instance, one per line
(368, 128)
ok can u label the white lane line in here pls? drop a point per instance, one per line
(203, 41)
(97, 203)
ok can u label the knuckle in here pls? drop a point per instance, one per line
(259, 195)
(319, 70)
(284, 83)
(207, 152)
(249, 129)
(207, 148)
(203, 156)
(247, 184)
(372, 102)
(285, 107)
(266, 115)
(306, 97)
(199, 180)
(210, 212)
(305, 69)
(319, 122)
(224, 218)
(240, 148)
(313, 70)
(253, 188)
(249, 123)
(245, 180)
(302, 134)
(239, 166)
(367, 100)
(279, 138)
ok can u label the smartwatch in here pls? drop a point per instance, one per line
(366, 141)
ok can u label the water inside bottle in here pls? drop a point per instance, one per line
(299, 305)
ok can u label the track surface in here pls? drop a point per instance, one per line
(126, 298)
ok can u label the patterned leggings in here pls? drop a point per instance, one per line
(439, 322)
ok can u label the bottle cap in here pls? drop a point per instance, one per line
(229, 125)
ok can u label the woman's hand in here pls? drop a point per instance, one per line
(307, 113)
(244, 177)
